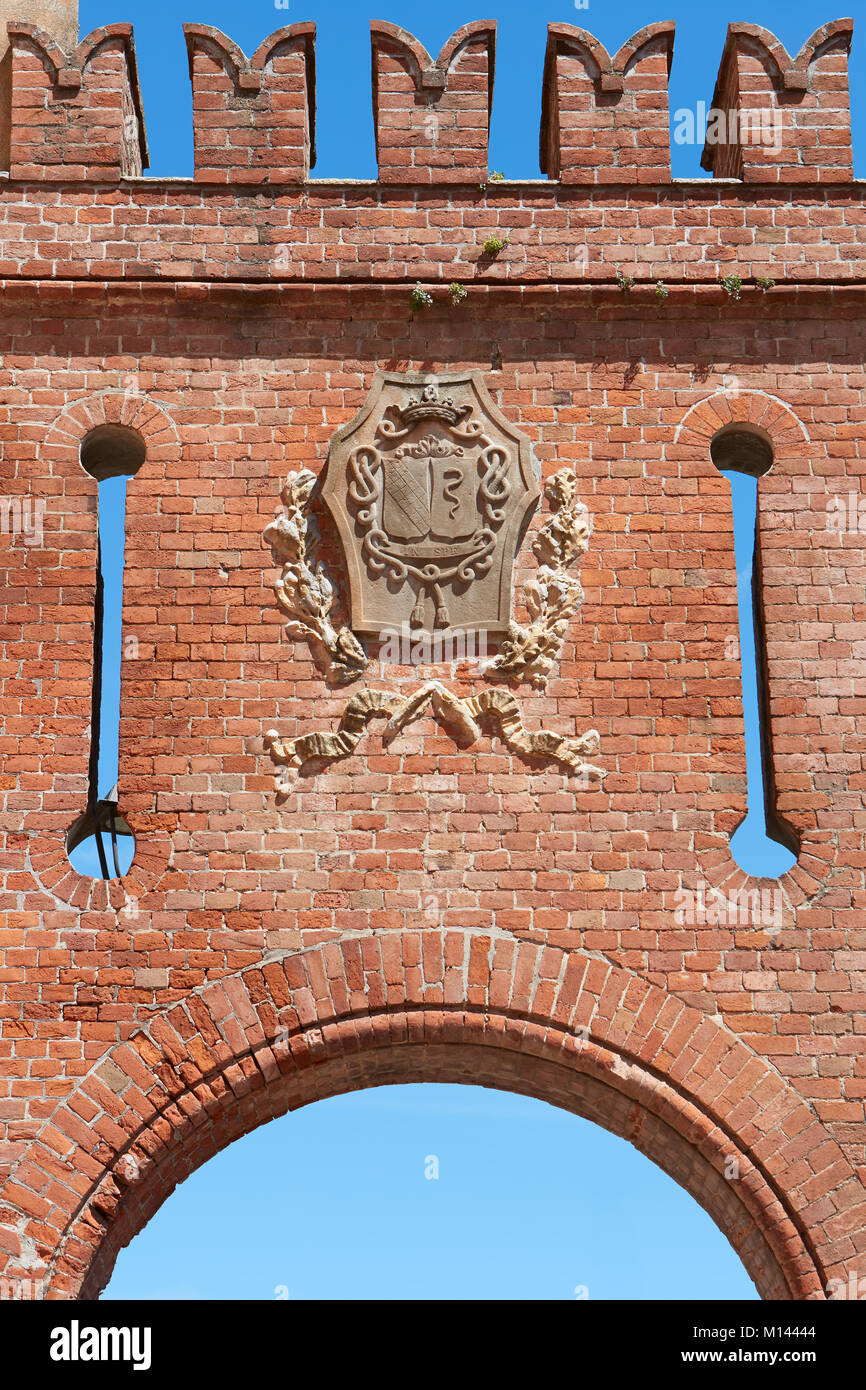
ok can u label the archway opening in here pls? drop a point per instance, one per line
(197, 1118)
(430, 1191)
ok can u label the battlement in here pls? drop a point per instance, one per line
(75, 113)
(605, 119)
(254, 119)
(433, 119)
(800, 103)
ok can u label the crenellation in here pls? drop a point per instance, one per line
(433, 118)
(76, 115)
(605, 119)
(56, 17)
(254, 119)
(794, 112)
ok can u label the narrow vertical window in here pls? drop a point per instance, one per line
(762, 844)
(100, 843)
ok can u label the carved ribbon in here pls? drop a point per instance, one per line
(460, 715)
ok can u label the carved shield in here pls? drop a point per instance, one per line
(430, 487)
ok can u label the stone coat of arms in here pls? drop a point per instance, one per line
(430, 489)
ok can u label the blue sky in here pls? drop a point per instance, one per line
(333, 1202)
(530, 1202)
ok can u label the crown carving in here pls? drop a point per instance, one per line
(431, 406)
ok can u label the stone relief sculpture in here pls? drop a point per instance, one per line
(553, 596)
(304, 590)
(460, 715)
(430, 488)
(438, 488)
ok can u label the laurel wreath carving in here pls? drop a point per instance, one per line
(460, 715)
(553, 595)
(304, 591)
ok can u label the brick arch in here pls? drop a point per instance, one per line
(768, 412)
(137, 412)
(791, 446)
(565, 1027)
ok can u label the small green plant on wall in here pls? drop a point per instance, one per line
(625, 282)
(661, 290)
(495, 176)
(420, 299)
(732, 285)
(764, 283)
(494, 244)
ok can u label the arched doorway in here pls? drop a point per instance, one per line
(568, 1028)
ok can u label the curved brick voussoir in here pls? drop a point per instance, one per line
(563, 1027)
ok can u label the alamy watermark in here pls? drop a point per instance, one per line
(22, 516)
(747, 126)
(77, 1343)
(742, 907)
(846, 515)
(22, 1290)
(851, 1289)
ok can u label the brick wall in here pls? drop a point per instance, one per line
(686, 234)
(424, 909)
